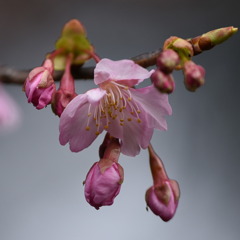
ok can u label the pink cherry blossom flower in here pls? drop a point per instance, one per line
(126, 113)
(39, 86)
(9, 112)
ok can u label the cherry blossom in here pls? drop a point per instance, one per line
(127, 113)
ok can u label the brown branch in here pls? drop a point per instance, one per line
(12, 76)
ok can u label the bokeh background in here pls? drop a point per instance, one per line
(41, 191)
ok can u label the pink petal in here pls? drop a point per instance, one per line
(75, 120)
(154, 104)
(123, 71)
(95, 95)
(133, 135)
(45, 97)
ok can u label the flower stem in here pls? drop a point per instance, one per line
(157, 168)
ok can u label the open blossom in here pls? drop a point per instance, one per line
(9, 111)
(126, 113)
(39, 86)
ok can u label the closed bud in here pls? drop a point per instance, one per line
(66, 91)
(104, 179)
(181, 46)
(39, 85)
(163, 199)
(163, 82)
(210, 39)
(61, 98)
(193, 76)
(168, 60)
(73, 40)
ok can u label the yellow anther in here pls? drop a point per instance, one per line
(106, 126)
(97, 125)
(87, 128)
(121, 124)
(138, 111)
(121, 120)
(129, 119)
(97, 133)
(129, 99)
(139, 120)
(89, 114)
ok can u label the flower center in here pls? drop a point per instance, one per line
(116, 104)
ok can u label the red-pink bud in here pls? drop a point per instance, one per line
(66, 91)
(163, 199)
(60, 100)
(168, 60)
(163, 82)
(193, 75)
(39, 85)
(104, 179)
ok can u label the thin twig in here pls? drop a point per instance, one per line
(13, 76)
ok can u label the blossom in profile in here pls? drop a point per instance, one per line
(126, 113)
(39, 85)
(9, 111)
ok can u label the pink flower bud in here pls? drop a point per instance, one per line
(39, 85)
(66, 91)
(60, 100)
(163, 82)
(104, 179)
(103, 183)
(168, 60)
(163, 199)
(193, 76)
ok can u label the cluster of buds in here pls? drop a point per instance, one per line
(162, 78)
(72, 47)
(193, 74)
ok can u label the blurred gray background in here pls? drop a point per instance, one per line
(41, 192)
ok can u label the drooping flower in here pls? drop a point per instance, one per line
(162, 198)
(126, 113)
(104, 179)
(39, 85)
(9, 112)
